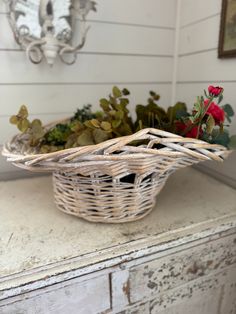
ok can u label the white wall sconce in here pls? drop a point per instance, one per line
(45, 28)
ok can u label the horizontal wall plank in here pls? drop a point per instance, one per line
(125, 39)
(205, 67)
(153, 13)
(66, 98)
(89, 68)
(191, 42)
(193, 11)
(115, 38)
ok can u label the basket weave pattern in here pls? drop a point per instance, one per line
(114, 181)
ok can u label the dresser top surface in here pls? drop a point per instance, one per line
(34, 233)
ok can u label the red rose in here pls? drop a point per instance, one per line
(215, 90)
(193, 130)
(217, 113)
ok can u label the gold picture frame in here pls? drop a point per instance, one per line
(227, 38)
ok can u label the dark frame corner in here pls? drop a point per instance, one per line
(221, 52)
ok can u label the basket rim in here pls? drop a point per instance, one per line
(174, 146)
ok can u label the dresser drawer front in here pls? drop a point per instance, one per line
(86, 297)
(176, 269)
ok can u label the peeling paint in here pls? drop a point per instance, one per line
(183, 267)
(126, 289)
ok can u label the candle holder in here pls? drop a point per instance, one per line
(45, 28)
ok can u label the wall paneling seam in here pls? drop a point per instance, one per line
(176, 49)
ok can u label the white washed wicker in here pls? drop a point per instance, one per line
(113, 182)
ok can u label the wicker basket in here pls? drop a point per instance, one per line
(114, 181)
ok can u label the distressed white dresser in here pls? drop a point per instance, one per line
(181, 259)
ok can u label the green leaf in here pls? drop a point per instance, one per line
(116, 123)
(106, 126)
(157, 97)
(45, 149)
(220, 138)
(100, 136)
(210, 124)
(232, 142)
(13, 120)
(125, 92)
(37, 130)
(178, 111)
(23, 112)
(124, 129)
(198, 109)
(95, 123)
(99, 114)
(90, 125)
(112, 113)
(119, 115)
(36, 123)
(220, 98)
(140, 124)
(71, 140)
(192, 119)
(83, 114)
(85, 138)
(104, 103)
(113, 101)
(181, 114)
(58, 134)
(124, 102)
(23, 125)
(221, 128)
(229, 111)
(116, 92)
(154, 95)
(76, 126)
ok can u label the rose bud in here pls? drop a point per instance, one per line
(215, 90)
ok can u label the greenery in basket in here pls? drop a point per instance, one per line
(206, 121)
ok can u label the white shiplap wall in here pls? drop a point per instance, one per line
(198, 65)
(130, 43)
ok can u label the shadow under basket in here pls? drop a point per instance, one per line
(114, 181)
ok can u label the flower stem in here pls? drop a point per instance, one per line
(199, 120)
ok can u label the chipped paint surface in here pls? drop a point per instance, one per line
(201, 296)
(177, 269)
(213, 294)
(172, 259)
